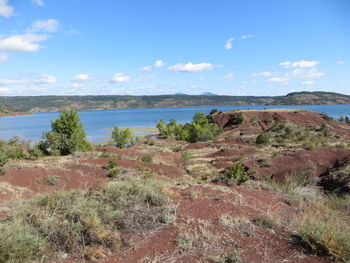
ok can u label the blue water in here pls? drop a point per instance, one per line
(98, 124)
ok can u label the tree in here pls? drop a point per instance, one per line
(67, 135)
(122, 137)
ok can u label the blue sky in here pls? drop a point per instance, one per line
(138, 47)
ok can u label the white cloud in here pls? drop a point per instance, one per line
(307, 83)
(190, 67)
(229, 44)
(4, 90)
(38, 2)
(22, 43)
(81, 77)
(5, 9)
(146, 68)
(42, 79)
(246, 37)
(228, 76)
(305, 74)
(3, 58)
(278, 80)
(49, 25)
(264, 74)
(120, 77)
(340, 62)
(45, 79)
(159, 64)
(299, 64)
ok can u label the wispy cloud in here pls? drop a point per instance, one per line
(3, 58)
(190, 67)
(228, 76)
(157, 64)
(307, 83)
(41, 79)
(81, 77)
(120, 77)
(299, 64)
(229, 44)
(5, 9)
(49, 25)
(38, 2)
(279, 80)
(340, 62)
(264, 74)
(243, 37)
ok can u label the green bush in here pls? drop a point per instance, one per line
(67, 135)
(262, 139)
(235, 174)
(110, 165)
(200, 129)
(147, 158)
(122, 137)
(113, 173)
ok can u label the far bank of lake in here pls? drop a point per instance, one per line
(98, 123)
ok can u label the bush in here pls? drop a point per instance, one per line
(337, 182)
(122, 137)
(235, 174)
(110, 165)
(147, 158)
(200, 129)
(113, 173)
(185, 158)
(262, 139)
(67, 135)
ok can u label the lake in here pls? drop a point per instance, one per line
(98, 124)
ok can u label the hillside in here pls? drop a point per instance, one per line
(166, 200)
(31, 104)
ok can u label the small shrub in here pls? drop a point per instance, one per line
(233, 257)
(185, 158)
(147, 158)
(326, 117)
(236, 174)
(263, 162)
(51, 180)
(267, 121)
(184, 241)
(3, 170)
(266, 221)
(337, 182)
(3, 159)
(113, 173)
(110, 165)
(122, 137)
(262, 139)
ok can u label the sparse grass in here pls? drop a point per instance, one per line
(113, 173)
(184, 241)
(266, 220)
(51, 180)
(84, 223)
(324, 231)
(264, 162)
(185, 158)
(2, 170)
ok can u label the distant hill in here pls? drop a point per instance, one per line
(317, 97)
(209, 94)
(31, 104)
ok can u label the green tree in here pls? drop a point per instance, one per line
(67, 135)
(122, 137)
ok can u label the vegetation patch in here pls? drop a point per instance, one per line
(235, 174)
(83, 223)
(200, 129)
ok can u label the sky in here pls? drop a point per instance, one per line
(154, 47)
